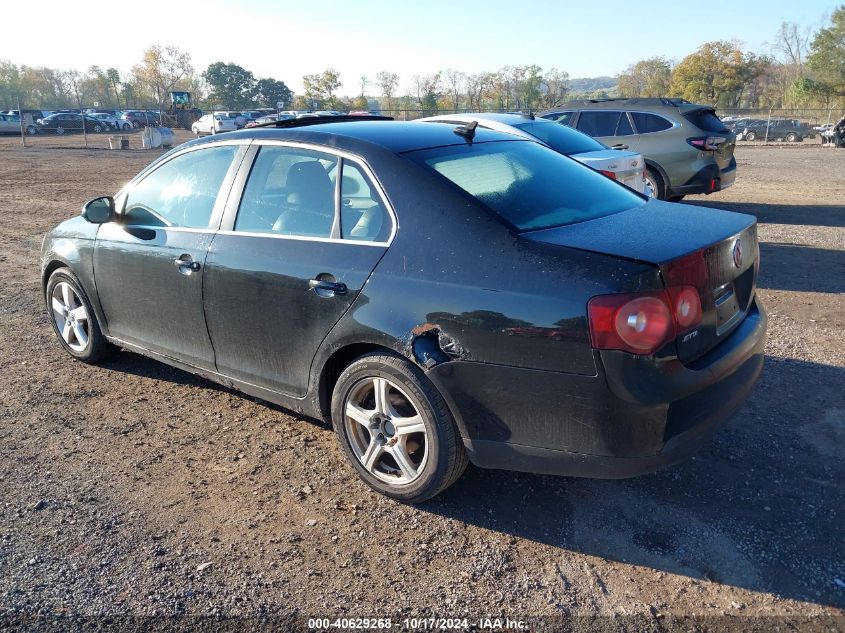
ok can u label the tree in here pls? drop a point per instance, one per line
(827, 54)
(555, 87)
(268, 92)
(647, 78)
(388, 83)
(364, 81)
(716, 73)
(330, 83)
(10, 84)
(161, 69)
(72, 81)
(114, 79)
(320, 89)
(427, 90)
(232, 86)
(455, 81)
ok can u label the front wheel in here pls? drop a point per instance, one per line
(60, 130)
(31, 130)
(195, 130)
(653, 184)
(751, 136)
(73, 318)
(125, 127)
(98, 129)
(396, 429)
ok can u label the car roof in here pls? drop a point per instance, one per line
(621, 103)
(397, 136)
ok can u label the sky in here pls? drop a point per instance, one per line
(284, 40)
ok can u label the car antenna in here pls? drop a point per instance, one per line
(467, 131)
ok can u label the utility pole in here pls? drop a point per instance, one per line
(20, 120)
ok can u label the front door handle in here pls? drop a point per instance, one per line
(619, 146)
(186, 263)
(326, 288)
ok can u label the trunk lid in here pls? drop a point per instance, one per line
(714, 251)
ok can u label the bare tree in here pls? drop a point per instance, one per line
(455, 82)
(793, 43)
(364, 81)
(388, 83)
(161, 69)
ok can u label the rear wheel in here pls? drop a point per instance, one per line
(98, 128)
(675, 198)
(125, 127)
(31, 130)
(396, 429)
(60, 130)
(751, 136)
(653, 184)
(195, 130)
(73, 318)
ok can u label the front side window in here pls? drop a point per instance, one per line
(183, 191)
(598, 122)
(564, 118)
(528, 185)
(289, 192)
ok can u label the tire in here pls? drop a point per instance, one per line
(31, 130)
(98, 129)
(79, 335)
(654, 184)
(429, 453)
(675, 198)
(195, 130)
(751, 136)
(126, 127)
(60, 130)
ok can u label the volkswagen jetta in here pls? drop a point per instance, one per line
(440, 294)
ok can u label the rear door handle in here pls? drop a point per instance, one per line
(186, 263)
(326, 288)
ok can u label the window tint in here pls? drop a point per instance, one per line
(560, 117)
(522, 183)
(560, 137)
(289, 192)
(598, 122)
(624, 128)
(647, 122)
(362, 214)
(706, 120)
(181, 192)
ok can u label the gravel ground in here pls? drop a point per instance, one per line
(136, 489)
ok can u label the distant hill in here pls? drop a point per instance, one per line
(591, 84)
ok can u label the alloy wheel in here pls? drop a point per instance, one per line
(70, 316)
(386, 431)
(60, 130)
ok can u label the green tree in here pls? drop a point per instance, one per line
(113, 76)
(388, 83)
(827, 54)
(647, 78)
(270, 91)
(717, 73)
(232, 86)
(161, 70)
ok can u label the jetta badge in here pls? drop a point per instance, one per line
(737, 253)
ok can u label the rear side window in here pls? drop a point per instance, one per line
(599, 122)
(289, 192)
(528, 185)
(363, 217)
(647, 122)
(705, 120)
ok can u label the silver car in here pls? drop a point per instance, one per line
(620, 165)
(11, 124)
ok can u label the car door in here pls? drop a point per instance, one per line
(295, 248)
(148, 264)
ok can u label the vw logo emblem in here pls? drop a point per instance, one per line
(737, 253)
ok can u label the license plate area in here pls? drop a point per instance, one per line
(727, 308)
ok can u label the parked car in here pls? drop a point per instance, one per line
(237, 117)
(140, 118)
(621, 165)
(113, 121)
(11, 124)
(268, 118)
(395, 277)
(778, 129)
(213, 124)
(687, 149)
(63, 122)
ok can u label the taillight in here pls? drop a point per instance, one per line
(609, 174)
(709, 143)
(642, 323)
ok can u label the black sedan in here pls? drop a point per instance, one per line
(65, 122)
(441, 294)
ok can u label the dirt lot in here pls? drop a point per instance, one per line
(119, 483)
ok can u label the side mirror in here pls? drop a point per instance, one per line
(99, 210)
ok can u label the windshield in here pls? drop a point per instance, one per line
(528, 185)
(561, 138)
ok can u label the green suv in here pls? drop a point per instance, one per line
(687, 148)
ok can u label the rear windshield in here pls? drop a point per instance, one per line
(561, 138)
(530, 186)
(706, 120)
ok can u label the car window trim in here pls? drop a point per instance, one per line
(219, 206)
(239, 184)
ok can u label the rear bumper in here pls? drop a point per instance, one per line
(707, 180)
(631, 418)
